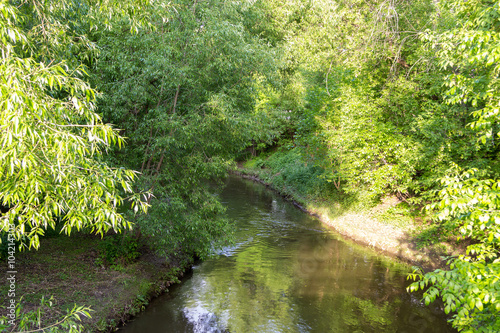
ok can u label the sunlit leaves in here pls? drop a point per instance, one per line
(470, 199)
(472, 51)
(470, 290)
(29, 321)
(470, 203)
(51, 141)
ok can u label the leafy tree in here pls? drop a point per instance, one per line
(184, 97)
(51, 136)
(470, 198)
(372, 113)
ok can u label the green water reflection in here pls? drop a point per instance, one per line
(287, 273)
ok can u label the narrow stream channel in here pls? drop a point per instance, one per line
(288, 273)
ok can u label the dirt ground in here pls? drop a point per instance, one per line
(67, 269)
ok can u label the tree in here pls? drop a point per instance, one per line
(183, 95)
(52, 139)
(470, 199)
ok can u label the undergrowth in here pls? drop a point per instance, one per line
(288, 173)
(118, 250)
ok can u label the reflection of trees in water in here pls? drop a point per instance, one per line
(289, 278)
(254, 291)
(358, 292)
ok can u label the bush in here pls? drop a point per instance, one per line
(118, 250)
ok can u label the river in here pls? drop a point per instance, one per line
(288, 273)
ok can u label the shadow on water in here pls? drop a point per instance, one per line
(287, 273)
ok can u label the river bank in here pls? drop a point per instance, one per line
(71, 270)
(400, 240)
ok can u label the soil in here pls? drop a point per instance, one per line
(68, 271)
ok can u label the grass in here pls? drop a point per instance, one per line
(394, 212)
(68, 270)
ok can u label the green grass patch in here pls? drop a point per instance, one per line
(287, 172)
(401, 215)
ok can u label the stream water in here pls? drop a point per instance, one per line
(288, 273)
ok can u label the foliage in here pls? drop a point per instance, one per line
(31, 321)
(469, 200)
(367, 107)
(290, 170)
(118, 249)
(184, 97)
(51, 136)
(471, 50)
(470, 288)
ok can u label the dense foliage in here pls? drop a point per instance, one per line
(183, 97)
(51, 136)
(469, 200)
